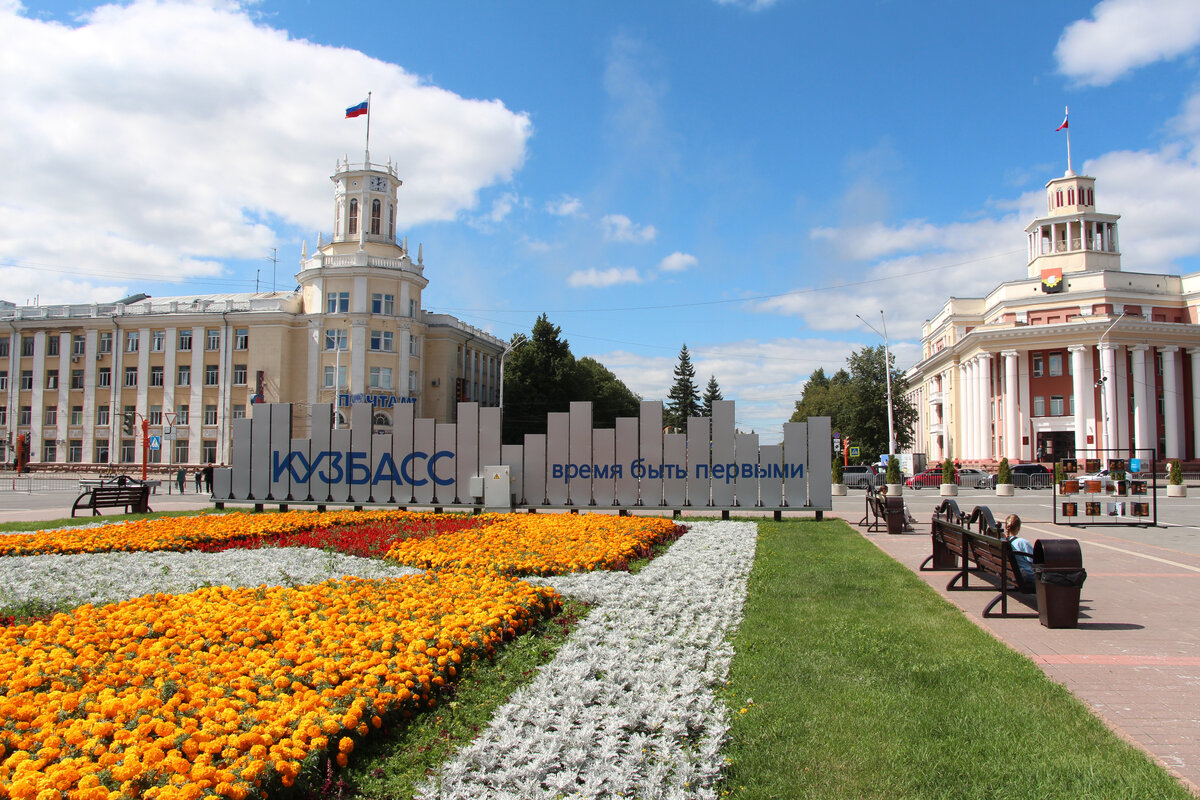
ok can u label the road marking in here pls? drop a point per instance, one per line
(1137, 554)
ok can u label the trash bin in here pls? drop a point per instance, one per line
(895, 514)
(1058, 576)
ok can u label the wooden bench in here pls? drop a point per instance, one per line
(878, 506)
(975, 543)
(136, 498)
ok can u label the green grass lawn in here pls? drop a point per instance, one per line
(858, 681)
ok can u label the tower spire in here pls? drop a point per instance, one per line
(1063, 127)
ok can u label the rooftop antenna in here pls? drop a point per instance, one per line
(274, 259)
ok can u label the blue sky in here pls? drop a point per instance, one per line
(744, 177)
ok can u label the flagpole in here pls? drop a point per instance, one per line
(369, 137)
(1066, 118)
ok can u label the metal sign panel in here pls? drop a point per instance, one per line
(425, 463)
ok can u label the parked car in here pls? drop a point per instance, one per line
(860, 476)
(1029, 476)
(930, 477)
(971, 478)
(1106, 482)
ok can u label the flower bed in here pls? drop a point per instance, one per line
(535, 544)
(230, 690)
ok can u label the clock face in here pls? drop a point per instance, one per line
(378, 184)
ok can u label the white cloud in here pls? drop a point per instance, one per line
(503, 205)
(750, 5)
(602, 278)
(1123, 35)
(166, 132)
(565, 206)
(619, 228)
(678, 262)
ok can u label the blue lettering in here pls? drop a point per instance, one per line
(335, 464)
(556, 471)
(794, 470)
(702, 472)
(638, 469)
(601, 471)
(433, 467)
(386, 471)
(404, 471)
(357, 467)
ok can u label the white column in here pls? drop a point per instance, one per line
(1143, 407)
(1194, 352)
(985, 406)
(1081, 388)
(1109, 392)
(973, 408)
(1012, 433)
(966, 447)
(1171, 403)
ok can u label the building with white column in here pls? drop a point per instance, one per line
(1080, 356)
(352, 331)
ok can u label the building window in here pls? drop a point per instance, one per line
(26, 346)
(1056, 405)
(75, 451)
(181, 415)
(241, 338)
(209, 450)
(212, 339)
(1158, 361)
(1055, 363)
(3, 347)
(25, 416)
(185, 340)
(49, 450)
(210, 415)
(328, 377)
(52, 345)
(376, 216)
(1071, 404)
(156, 376)
(101, 416)
(4, 415)
(239, 410)
(102, 452)
(185, 376)
(105, 346)
(337, 302)
(4, 381)
(155, 417)
(239, 374)
(127, 451)
(78, 345)
(212, 374)
(51, 379)
(104, 377)
(76, 379)
(380, 377)
(383, 304)
(131, 341)
(131, 376)
(352, 228)
(412, 345)
(51, 417)
(1037, 365)
(158, 341)
(76, 415)
(27, 380)
(1039, 406)
(381, 341)
(335, 339)
(412, 307)
(412, 380)
(181, 451)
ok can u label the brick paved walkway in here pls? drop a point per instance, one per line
(1135, 657)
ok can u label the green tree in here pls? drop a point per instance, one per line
(712, 393)
(856, 402)
(683, 400)
(543, 375)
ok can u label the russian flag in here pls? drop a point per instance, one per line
(358, 110)
(1064, 125)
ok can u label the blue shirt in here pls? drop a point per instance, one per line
(1024, 549)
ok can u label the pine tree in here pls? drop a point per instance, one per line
(683, 400)
(712, 393)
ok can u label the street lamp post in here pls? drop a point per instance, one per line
(887, 371)
(516, 342)
(1103, 387)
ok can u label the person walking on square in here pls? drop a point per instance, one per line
(181, 479)
(199, 480)
(208, 478)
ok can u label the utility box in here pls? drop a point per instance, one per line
(497, 488)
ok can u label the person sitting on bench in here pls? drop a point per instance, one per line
(908, 517)
(1021, 546)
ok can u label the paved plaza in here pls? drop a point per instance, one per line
(1135, 657)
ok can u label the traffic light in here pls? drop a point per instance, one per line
(128, 420)
(460, 390)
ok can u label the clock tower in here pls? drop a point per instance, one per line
(364, 203)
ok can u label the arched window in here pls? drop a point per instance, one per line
(380, 419)
(353, 228)
(391, 221)
(376, 216)
(1070, 197)
(1058, 198)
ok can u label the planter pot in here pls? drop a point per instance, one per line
(949, 490)
(839, 490)
(1176, 490)
(895, 489)
(1004, 490)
